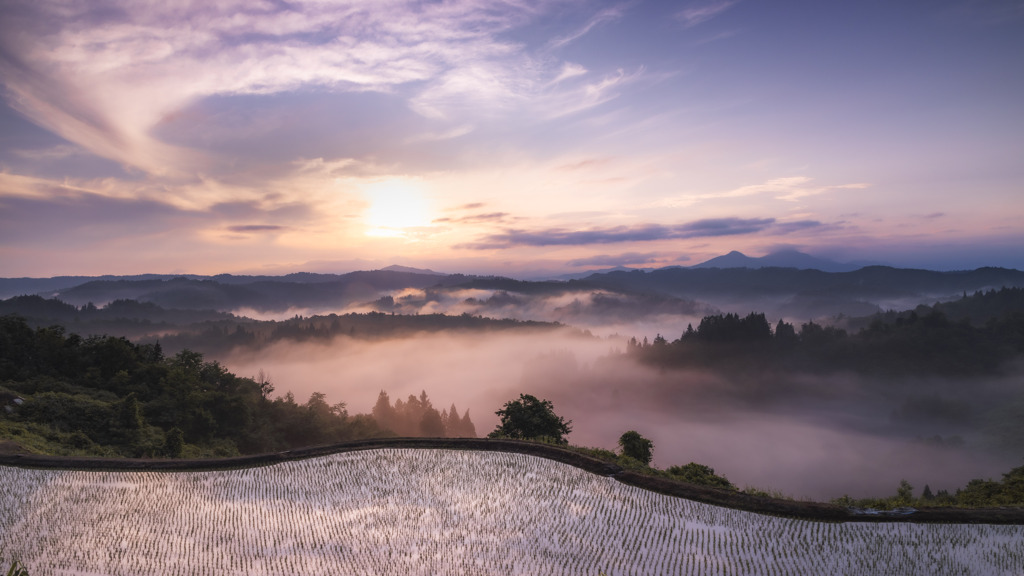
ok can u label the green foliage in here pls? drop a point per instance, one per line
(528, 418)
(630, 463)
(904, 493)
(767, 493)
(1008, 492)
(129, 415)
(599, 453)
(105, 396)
(633, 445)
(174, 443)
(977, 493)
(700, 474)
(920, 341)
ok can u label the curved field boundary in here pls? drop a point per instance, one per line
(815, 511)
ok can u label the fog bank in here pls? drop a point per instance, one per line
(804, 436)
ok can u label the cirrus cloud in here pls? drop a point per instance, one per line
(103, 75)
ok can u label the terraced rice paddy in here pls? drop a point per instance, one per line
(406, 511)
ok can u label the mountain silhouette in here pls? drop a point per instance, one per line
(779, 259)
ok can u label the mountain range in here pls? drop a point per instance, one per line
(788, 283)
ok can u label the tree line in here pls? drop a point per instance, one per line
(214, 333)
(416, 416)
(107, 396)
(978, 493)
(924, 340)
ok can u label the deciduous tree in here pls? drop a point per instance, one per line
(529, 417)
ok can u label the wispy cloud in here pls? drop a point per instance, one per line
(104, 78)
(789, 188)
(798, 192)
(58, 152)
(68, 216)
(601, 17)
(697, 14)
(476, 218)
(256, 228)
(777, 185)
(455, 132)
(569, 70)
(587, 163)
(581, 96)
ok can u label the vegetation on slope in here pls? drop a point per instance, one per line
(213, 333)
(106, 396)
(922, 341)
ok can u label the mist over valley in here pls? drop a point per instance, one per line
(810, 422)
(416, 287)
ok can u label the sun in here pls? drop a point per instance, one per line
(396, 205)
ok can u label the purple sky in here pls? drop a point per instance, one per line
(506, 137)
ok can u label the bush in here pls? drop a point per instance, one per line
(700, 474)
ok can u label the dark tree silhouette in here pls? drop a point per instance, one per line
(529, 417)
(431, 425)
(635, 446)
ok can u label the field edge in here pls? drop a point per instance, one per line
(802, 510)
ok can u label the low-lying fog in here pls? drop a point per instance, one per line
(609, 313)
(603, 313)
(803, 436)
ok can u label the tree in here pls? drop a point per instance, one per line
(904, 493)
(174, 444)
(467, 429)
(529, 417)
(263, 381)
(634, 445)
(383, 413)
(785, 333)
(431, 424)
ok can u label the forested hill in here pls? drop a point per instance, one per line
(62, 393)
(212, 332)
(227, 292)
(868, 282)
(977, 334)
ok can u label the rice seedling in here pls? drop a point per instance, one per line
(395, 511)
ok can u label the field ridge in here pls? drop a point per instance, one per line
(804, 510)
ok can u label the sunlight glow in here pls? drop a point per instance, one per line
(396, 205)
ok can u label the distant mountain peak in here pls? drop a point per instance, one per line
(784, 258)
(409, 270)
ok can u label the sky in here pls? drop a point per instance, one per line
(510, 137)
